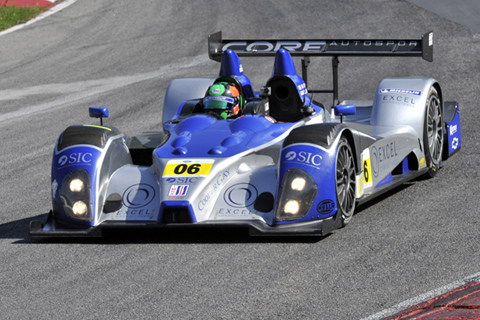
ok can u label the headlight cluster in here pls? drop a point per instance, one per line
(75, 195)
(297, 194)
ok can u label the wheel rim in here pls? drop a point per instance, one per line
(345, 179)
(434, 129)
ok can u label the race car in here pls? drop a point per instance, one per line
(273, 161)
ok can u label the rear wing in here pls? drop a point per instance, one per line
(334, 48)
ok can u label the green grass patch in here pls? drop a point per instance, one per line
(11, 16)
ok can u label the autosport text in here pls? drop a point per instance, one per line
(369, 43)
(218, 182)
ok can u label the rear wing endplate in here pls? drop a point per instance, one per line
(334, 48)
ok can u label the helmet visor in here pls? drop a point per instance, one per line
(218, 102)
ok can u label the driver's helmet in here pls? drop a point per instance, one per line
(224, 100)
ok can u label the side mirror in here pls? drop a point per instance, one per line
(344, 110)
(98, 112)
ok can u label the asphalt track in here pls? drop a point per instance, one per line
(122, 54)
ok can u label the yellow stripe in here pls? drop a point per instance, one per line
(91, 125)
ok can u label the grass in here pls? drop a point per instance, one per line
(11, 16)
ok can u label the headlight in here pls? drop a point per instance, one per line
(77, 185)
(79, 209)
(297, 194)
(75, 193)
(298, 184)
(291, 207)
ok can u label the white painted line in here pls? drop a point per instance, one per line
(58, 7)
(73, 92)
(423, 297)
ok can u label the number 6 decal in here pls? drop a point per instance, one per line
(367, 169)
(192, 167)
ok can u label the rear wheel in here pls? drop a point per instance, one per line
(345, 181)
(433, 133)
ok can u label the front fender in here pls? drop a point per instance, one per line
(83, 160)
(318, 162)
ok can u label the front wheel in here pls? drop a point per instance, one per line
(433, 133)
(345, 181)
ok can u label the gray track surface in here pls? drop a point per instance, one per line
(122, 54)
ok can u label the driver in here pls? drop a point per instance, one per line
(223, 100)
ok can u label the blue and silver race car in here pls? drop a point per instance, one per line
(274, 161)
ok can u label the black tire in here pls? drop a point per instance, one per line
(433, 133)
(345, 181)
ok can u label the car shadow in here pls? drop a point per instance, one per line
(383, 196)
(19, 230)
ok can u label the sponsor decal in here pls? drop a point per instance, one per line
(414, 92)
(398, 99)
(217, 90)
(178, 190)
(307, 158)
(455, 143)
(181, 180)
(54, 188)
(360, 186)
(138, 196)
(270, 119)
(136, 200)
(219, 98)
(144, 213)
(217, 183)
(197, 167)
(302, 89)
(319, 45)
(235, 213)
(453, 130)
(422, 162)
(326, 206)
(273, 46)
(241, 195)
(83, 158)
(382, 154)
